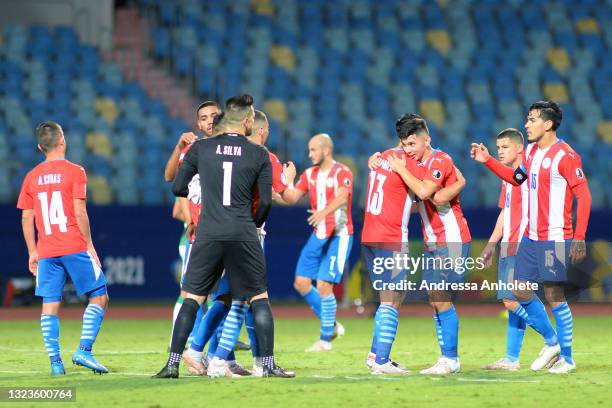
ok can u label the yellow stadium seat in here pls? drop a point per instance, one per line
(283, 57)
(263, 7)
(107, 108)
(442, 3)
(275, 109)
(99, 143)
(557, 92)
(440, 40)
(604, 130)
(558, 58)
(433, 110)
(587, 25)
(99, 191)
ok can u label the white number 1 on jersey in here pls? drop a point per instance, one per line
(227, 183)
(54, 213)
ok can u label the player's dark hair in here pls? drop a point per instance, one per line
(48, 134)
(237, 108)
(514, 135)
(206, 104)
(549, 110)
(409, 124)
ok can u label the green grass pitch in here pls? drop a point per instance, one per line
(134, 350)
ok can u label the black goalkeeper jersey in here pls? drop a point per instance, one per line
(231, 168)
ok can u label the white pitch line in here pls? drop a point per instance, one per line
(98, 352)
(20, 372)
(499, 380)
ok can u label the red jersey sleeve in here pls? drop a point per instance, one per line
(570, 167)
(279, 181)
(345, 179)
(439, 169)
(302, 183)
(25, 201)
(79, 185)
(501, 202)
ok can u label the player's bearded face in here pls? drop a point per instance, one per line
(206, 116)
(315, 154)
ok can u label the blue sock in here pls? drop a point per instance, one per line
(231, 329)
(565, 328)
(328, 317)
(514, 337)
(314, 301)
(214, 340)
(50, 330)
(438, 324)
(211, 320)
(92, 320)
(539, 319)
(377, 322)
(250, 328)
(449, 324)
(196, 323)
(386, 332)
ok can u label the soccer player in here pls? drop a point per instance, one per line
(191, 205)
(53, 198)
(323, 258)
(445, 231)
(554, 173)
(385, 235)
(193, 355)
(509, 228)
(230, 168)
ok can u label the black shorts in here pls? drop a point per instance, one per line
(243, 261)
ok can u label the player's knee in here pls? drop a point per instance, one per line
(302, 285)
(325, 288)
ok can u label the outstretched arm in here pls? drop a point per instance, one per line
(481, 154)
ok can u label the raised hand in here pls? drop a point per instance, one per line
(186, 139)
(479, 152)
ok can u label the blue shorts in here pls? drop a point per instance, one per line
(324, 259)
(542, 261)
(446, 265)
(385, 267)
(84, 272)
(505, 275)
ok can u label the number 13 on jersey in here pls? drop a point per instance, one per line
(375, 194)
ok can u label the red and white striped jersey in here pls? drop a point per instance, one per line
(552, 174)
(388, 204)
(514, 200)
(445, 223)
(194, 195)
(322, 187)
